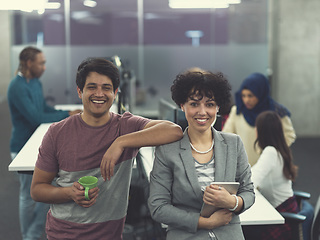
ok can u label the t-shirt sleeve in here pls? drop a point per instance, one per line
(47, 160)
(132, 123)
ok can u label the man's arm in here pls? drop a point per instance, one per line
(43, 191)
(156, 132)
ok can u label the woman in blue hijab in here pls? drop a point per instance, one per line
(252, 98)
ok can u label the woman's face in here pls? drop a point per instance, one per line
(249, 99)
(200, 112)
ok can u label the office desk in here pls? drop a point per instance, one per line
(27, 157)
(68, 107)
(262, 212)
(71, 107)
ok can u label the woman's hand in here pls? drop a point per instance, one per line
(217, 219)
(219, 197)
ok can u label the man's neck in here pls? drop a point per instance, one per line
(25, 74)
(95, 121)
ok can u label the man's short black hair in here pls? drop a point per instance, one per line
(98, 65)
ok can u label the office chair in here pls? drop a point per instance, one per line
(295, 220)
(315, 229)
(306, 209)
(300, 222)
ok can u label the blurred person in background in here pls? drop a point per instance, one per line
(252, 98)
(28, 110)
(274, 173)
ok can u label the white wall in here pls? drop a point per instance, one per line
(296, 61)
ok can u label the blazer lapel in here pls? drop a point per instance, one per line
(189, 165)
(220, 156)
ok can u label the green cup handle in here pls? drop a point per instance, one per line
(86, 193)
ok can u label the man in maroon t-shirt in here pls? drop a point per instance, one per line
(95, 142)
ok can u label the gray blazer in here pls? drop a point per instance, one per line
(175, 194)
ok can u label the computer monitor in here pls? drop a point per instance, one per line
(167, 111)
(181, 119)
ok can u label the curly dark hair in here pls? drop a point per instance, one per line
(98, 65)
(202, 83)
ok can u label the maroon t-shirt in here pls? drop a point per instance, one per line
(74, 149)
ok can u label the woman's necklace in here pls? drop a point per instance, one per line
(202, 152)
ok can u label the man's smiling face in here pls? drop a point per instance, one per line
(97, 95)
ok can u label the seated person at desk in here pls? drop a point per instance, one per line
(99, 143)
(274, 172)
(28, 110)
(252, 98)
(202, 157)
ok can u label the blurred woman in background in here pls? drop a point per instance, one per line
(274, 172)
(252, 98)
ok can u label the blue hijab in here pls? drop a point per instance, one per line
(258, 84)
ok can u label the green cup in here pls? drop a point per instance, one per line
(88, 182)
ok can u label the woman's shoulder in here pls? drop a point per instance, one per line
(233, 110)
(170, 146)
(228, 136)
(234, 115)
(169, 151)
(270, 155)
(270, 150)
(231, 139)
(286, 120)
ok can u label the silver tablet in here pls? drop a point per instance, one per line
(231, 187)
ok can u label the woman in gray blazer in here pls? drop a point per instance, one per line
(184, 172)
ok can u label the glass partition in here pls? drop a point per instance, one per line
(153, 41)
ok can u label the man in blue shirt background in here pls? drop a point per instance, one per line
(28, 110)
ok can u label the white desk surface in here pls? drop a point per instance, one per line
(71, 107)
(68, 107)
(261, 213)
(27, 157)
